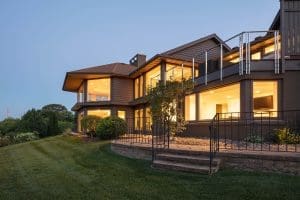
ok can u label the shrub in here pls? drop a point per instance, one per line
(4, 141)
(65, 125)
(111, 127)
(89, 124)
(9, 125)
(33, 120)
(25, 137)
(285, 136)
(253, 139)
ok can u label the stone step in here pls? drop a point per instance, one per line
(167, 165)
(197, 160)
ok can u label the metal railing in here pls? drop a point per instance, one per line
(241, 50)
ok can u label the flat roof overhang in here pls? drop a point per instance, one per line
(73, 80)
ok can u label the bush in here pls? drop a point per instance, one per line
(89, 124)
(65, 125)
(4, 141)
(25, 137)
(33, 120)
(285, 136)
(111, 127)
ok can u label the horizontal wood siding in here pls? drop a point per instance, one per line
(121, 90)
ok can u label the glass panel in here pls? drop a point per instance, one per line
(190, 107)
(100, 113)
(122, 114)
(79, 118)
(152, 77)
(177, 73)
(221, 100)
(256, 56)
(141, 87)
(265, 98)
(99, 89)
(138, 119)
(136, 88)
(80, 94)
(148, 119)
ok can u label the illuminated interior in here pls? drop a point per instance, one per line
(98, 89)
(122, 114)
(79, 118)
(265, 98)
(99, 113)
(256, 56)
(221, 100)
(138, 119)
(138, 87)
(148, 119)
(153, 77)
(177, 73)
(190, 107)
(80, 94)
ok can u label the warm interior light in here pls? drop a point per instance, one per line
(256, 56)
(190, 107)
(99, 112)
(122, 114)
(98, 89)
(152, 77)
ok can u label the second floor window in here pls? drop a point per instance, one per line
(98, 90)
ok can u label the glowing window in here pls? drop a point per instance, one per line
(177, 73)
(269, 49)
(79, 118)
(256, 56)
(190, 107)
(100, 113)
(148, 119)
(138, 119)
(152, 77)
(136, 88)
(221, 100)
(265, 98)
(98, 89)
(122, 114)
(235, 60)
(80, 94)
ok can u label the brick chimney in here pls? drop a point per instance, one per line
(138, 60)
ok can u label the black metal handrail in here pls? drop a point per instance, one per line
(213, 140)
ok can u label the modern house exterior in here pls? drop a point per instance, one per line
(255, 72)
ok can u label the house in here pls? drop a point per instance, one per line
(254, 73)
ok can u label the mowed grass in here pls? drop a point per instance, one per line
(64, 167)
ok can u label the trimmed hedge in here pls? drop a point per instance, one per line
(111, 127)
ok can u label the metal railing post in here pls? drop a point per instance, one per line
(205, 67)
(221, 62)
(241, 59)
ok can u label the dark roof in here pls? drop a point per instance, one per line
(276, 22)
(195, 42)
(113, 69)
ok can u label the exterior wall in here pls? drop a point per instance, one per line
(291, 90)
(122, 90)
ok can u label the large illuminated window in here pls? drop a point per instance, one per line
(177, 73)
(148, 119)
(98, 89)
(221, 100)
(80, 94)
(99, 112)
(265, 98)
(138, 119)
(153, 77)
(190, 107)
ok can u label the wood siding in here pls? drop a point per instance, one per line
(121, 90)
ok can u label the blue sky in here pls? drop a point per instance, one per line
(40, 40)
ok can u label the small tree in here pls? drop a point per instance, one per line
(166, 104)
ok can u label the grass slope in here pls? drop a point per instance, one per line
(64, 167)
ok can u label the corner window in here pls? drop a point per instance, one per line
(98, 90)
(99, 113)
(153, 77)
(80, 94)
(265, 98)
(122, 114)
(177, 72)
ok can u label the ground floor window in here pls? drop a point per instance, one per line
(79, 118)
(148, 119)
(138, 119)
(190, 107)
(265, 98)
(122, 114)
(99, 112)
(220, 100)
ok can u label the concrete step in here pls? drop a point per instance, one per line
(188, 159)
(185, 167)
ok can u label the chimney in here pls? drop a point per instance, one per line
(138, 60)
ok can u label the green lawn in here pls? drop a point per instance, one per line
(64, 167)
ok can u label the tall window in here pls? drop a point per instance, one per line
(98, 89)
(99, 112)
(79, 118)
(153, 77)
(221, 100)
(80, 94)
(265, 98)
(138, 87)
(148, 118)
(138, 119)
(190, 107)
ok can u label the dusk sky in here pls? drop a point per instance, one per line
(40, 40)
